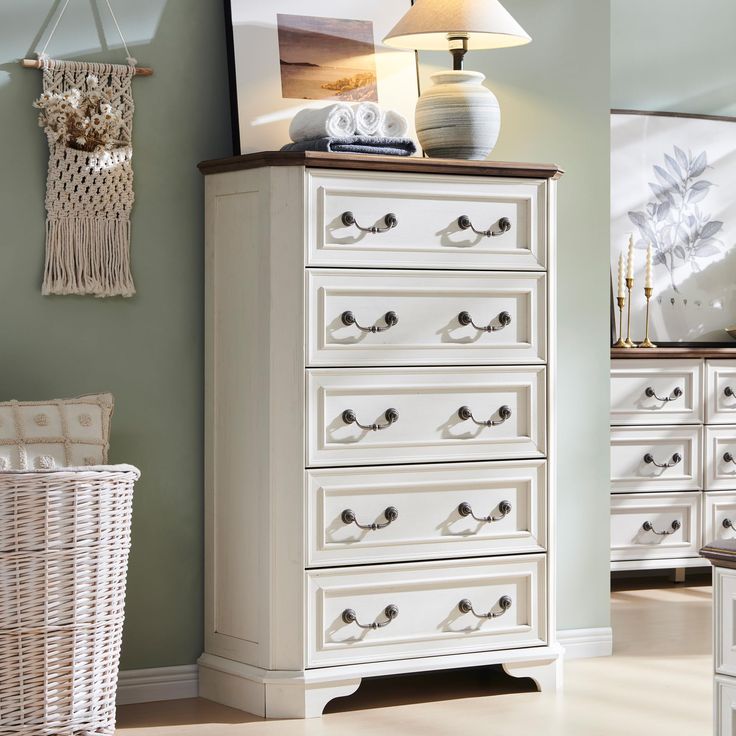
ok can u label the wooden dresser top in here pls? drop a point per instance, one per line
(675, 352)
(721, 553)
(370, 162)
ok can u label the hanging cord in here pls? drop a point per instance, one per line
(131, 61)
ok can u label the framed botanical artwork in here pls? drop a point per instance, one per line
(285, 55)
(673, 184)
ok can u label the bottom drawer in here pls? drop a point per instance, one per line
(725, 706)
(720, 516)
(434, 609)
(654, 526)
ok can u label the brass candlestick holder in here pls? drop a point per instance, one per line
(647, 342)
(620, 343)
(629, 286)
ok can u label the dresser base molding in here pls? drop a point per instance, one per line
(279, 694)
(666, 564)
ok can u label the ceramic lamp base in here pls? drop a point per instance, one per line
(458, 117)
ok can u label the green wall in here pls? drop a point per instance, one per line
(148, 350)
(674, 56)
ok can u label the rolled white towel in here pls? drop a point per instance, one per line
(333, 121)
(368, 118)
(394, 125)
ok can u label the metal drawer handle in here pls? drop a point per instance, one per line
(391, 514)
(728, 524)
(465, 509)
(676, 393)
(728, 391)
(392, 416)
(504, 603)
(504, 225)
(676, 458)
(504, 412)
(390, 612)
(647, 527)
(390, 221)
(504, 320)
(390, 318)
(729, 458)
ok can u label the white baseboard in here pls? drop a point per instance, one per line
(584, 643)
(175, 683)
(159, 683)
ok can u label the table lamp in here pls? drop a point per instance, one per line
(458, 117)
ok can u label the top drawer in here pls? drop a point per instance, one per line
(720, 395)
(656, 392)
(426, 233)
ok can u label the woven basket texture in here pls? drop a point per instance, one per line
(64, 543)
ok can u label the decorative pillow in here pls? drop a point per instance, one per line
(62, 433)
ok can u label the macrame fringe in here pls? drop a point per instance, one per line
(88, 256)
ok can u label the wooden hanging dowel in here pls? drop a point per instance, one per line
(140, 71)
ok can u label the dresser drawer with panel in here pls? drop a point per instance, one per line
(719, 515)
(720, 458)
(415, 512)
(720, 395)
(656, 392)
(384, 220)
(423, 318)
(425, 609)
(378, 416)
(645, 459)
(655, 526)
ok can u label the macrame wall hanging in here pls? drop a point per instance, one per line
(86, 110)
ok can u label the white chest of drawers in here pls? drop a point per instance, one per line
(379, 424)
(673, 456)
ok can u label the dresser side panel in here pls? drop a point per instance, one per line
(237, 386)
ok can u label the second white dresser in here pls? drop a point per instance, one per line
(673, 456)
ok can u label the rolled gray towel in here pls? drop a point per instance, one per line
(357, 144)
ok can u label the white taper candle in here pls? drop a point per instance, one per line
(630, 263)
(648, 282)
(621, 292)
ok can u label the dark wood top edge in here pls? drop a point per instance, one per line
(666, 114)
(667, 352)
(720, 554)
(369, 162)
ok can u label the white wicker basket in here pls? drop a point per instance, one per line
(64, 542)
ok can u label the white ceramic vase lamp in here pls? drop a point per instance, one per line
(458, 117)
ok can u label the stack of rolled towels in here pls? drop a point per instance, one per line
(343, 128)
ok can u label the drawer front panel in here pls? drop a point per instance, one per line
(430, 619)
(430, 521)
(720, 458)
(432, 311)
(631, 472)
(725, 706)
(427, 233)
(633, 539)
(656, 392)
(720, 394)
(430, 404)
(720, 516)
(724, 596)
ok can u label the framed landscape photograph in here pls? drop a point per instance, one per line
(673, 184)
(285, 55)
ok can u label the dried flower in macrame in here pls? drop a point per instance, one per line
(81, 119)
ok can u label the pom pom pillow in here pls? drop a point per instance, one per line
(61, 433)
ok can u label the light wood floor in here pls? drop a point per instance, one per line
(657, 682)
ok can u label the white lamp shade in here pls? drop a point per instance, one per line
(486, 23)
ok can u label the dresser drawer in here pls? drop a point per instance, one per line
(424, 414)
(649, 526)
(425, 318)
(425, 512)
(720, 516)
(678, 449)
(656, 392)
(720, 392)
(724, 596)
(430, 600)
(720, 458)
(426, 233)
